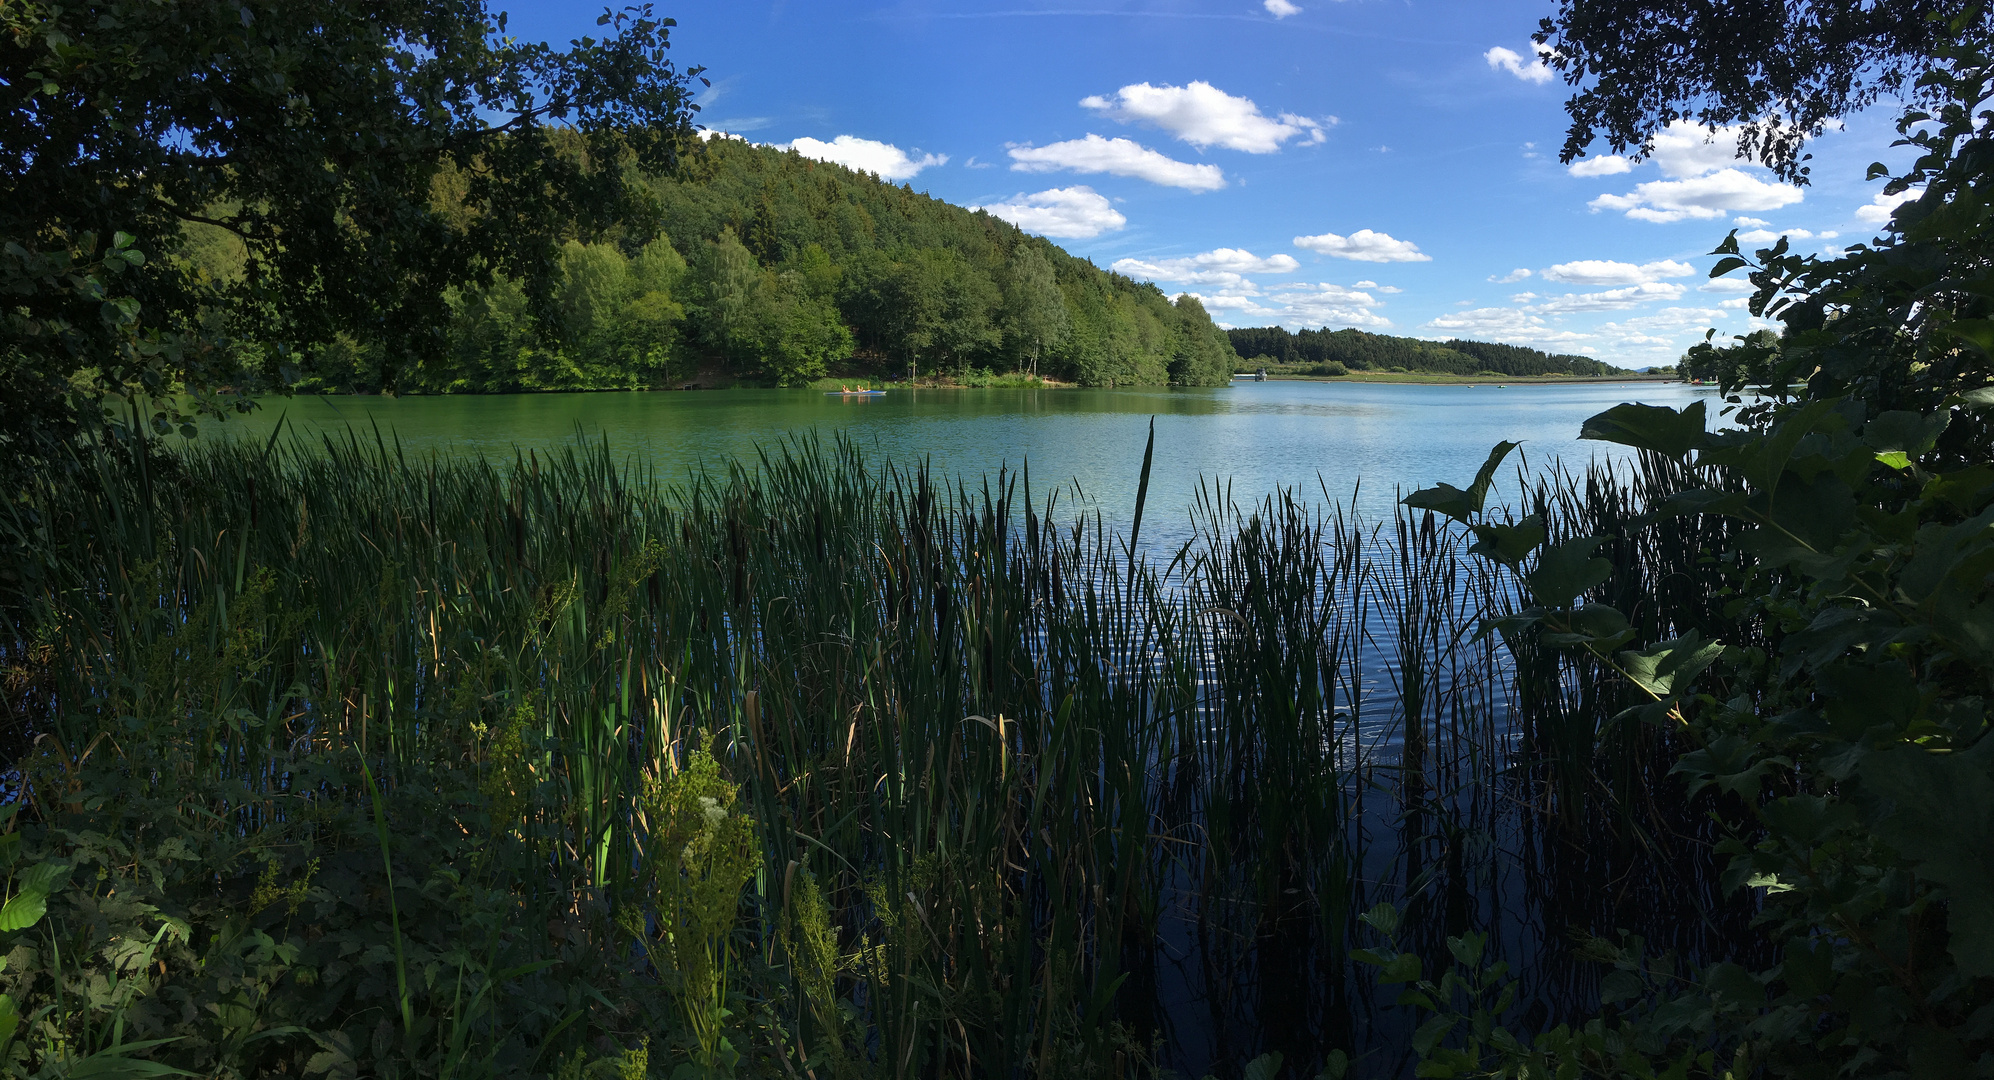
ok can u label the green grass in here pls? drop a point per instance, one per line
(988, 753)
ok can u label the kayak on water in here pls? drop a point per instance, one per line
(853, 393)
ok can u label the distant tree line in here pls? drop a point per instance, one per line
(764, 265)
(1357, 350)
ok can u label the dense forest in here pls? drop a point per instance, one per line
(765, 266)
(1357, 350)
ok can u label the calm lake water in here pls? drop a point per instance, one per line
(1259, 436)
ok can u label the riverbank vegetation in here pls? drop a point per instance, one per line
(324, 759)
(759, 265)
(1322, 352)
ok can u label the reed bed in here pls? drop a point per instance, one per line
(1026, 799)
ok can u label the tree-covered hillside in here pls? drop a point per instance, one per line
(1360, 351)
(775, 268)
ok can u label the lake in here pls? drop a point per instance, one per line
(1259, 436)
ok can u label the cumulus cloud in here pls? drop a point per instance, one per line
(1735, 302)
(1074, 213)
(1280, 9)
(1726, 285)
(1203, 115)
(1760, 222)
(1389, 290)
(865, 155)
(1364, 245)
(1533, 70)
(1609, 272)
(1767, 236)
(1599, 166)
(1325, 304)
(1513, 325)
(1301, 305)
(1119, 157)
(1704, 197)
(1512, 277)
(1880, 208)
(1684, 149)
(1611, 299)
(1224, 266)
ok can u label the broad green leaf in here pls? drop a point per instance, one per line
(1725, 266)
(1944, 814)
(1265, 1067)
(1895, 459)
(1455, 502)
(1978, 333)
(1667, 668)
(1982, 398)
(1384, 918)
(1508, 544)
(10, 1019)
(1649, 427)
(1568, 569)
(1430, 1033)
(24, 910)
(1908, 433)
(1598, 626)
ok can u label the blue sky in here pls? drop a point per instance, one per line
(1385, 164)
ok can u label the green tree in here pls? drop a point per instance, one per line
(1782, 70)
(1035, 318)
(732, 278)
(314, 136)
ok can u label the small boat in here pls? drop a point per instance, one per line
(854, 393)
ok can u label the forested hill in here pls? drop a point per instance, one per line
(1360, 351)
(767, 266)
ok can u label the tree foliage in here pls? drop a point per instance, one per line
(1845, 707)
(1783, 70)
(1359, 350)
(194, 194)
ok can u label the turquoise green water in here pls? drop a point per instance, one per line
(1256, 436)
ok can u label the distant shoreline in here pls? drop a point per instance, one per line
(1468, 380)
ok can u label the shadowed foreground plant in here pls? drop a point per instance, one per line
(701, 851)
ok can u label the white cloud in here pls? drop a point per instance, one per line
(1704, 197)
(1512, 277)
(1203, 115)
(1302, 304)
(865, 155)
(1735, 302)
(1611, 299)
(1074, 213)
(1388, 290)
(1767, 236)
(1533, 70)
(1280, 9)
(1364, 245)
(1221, 266)
(1332, 305)
(1120, 157)
(1760, 222)
(1599, 166)
(1608, 272)
(1880, 208)
(1684, 149)
(1726, 285)
(1513, 325)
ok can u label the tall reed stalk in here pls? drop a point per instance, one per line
(1020, 793)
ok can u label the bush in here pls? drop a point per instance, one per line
(1331, 368)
